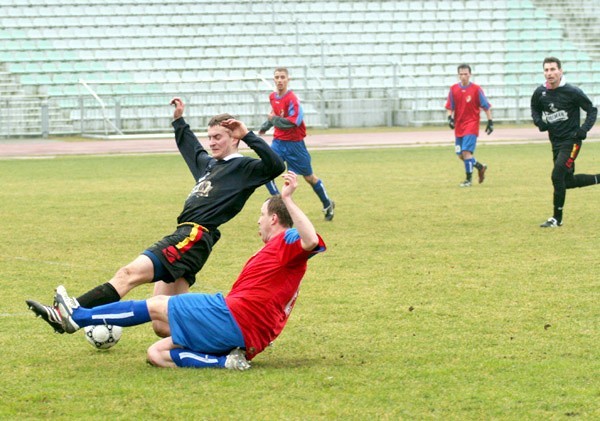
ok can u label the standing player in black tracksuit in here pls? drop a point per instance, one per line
(224, 182)
(555, 107)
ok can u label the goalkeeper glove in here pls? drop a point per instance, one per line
(490, 127)
(581, 134)
(450, 122)
(542, 126)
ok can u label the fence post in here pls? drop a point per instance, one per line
(81, 111)
(118, 114)
(45, 118)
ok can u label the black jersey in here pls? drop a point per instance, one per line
(222, 186)
(561, 108)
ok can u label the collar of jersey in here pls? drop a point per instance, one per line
(233, 155)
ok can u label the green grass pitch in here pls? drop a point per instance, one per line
(432, 301)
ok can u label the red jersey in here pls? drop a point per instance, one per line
(288, 106)
(264, 294)
(466, 102)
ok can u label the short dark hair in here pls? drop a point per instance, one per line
(216, 120)
(276, 206)
(552, 60)
(463, 66)
(282, 69)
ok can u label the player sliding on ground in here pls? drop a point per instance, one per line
(224, 182)
(209, 330)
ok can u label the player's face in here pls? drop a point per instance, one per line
(552, 74)
(264, 223)
(464, 75)
(281, 82)
(220, 142)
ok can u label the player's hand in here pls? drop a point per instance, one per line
(238, 128)
(581, 134)
(451, 122)
(290, 182)
(261, 132)
(542, 126)
(490, 127)
(179, 107)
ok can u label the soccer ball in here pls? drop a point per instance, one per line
(103, 336)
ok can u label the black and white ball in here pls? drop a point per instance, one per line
(103, 336)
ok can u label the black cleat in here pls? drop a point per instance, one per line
(328, 211)
(551, 223)
(49, 314)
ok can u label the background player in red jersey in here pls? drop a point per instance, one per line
(209, 330)
(464, 103)
(287, 116)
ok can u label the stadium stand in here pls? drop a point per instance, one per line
(73, 66)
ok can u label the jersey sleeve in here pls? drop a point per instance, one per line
(190, 148)
(483, 101)
(292, 252)
(450, 101)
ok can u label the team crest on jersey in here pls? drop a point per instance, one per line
(202, 188)
(468, 98)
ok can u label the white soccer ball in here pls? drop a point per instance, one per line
(103, 336)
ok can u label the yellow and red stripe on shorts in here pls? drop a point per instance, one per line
(173, 253)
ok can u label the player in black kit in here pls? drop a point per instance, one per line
(555, 107)
(224, 182)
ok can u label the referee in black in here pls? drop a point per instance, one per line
(555, 107)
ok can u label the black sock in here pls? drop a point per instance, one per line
(469, 176)
(558, 214)
(478, 165)
(102, 294)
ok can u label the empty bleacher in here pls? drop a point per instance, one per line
(382, 61)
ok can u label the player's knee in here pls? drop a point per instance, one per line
(161, 328)
(153, 356)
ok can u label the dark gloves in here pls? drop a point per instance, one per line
(490, 127)
(581, 134)
(542, 126)
(450, 122)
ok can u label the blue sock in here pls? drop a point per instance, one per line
(469, 163)
(319, 189)
(185, 358)
(121, 313)
(272, 187)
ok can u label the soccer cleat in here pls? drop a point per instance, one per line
(551, 223)
(328, 211)
(466, 183)
(481, 173)
(236, 360)
(66, 305)
(49, 314)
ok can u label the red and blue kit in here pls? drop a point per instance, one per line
(467, 102)
(288, 106)
(265, 292)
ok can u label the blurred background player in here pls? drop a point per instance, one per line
(208, 330)
(555, 107)
(287, 116)
(464, 103)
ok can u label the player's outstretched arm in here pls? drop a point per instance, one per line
(306, 230)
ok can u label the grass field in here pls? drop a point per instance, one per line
(432, 302)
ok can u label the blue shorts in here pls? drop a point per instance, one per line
(203, 323)
(465, 143)
(294, 154)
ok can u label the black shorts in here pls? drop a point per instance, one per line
(183, 253)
